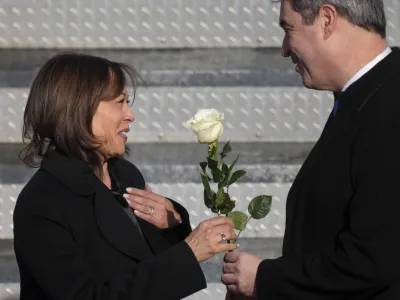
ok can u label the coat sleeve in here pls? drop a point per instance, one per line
(44, 245)
(364, 260)
(178, 232)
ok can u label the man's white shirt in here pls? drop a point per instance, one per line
(367, 67)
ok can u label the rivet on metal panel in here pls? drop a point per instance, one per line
(203, 10)
(232, 10)
(160, 136)
(187, 9)
(273, 125)
(229, 125)
(16, 11)
(16, 25)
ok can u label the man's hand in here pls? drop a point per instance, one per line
(152, 207)
(240, 271)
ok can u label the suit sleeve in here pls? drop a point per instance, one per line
(364, 261)
(45, 246)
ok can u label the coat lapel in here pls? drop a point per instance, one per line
(151, 233)
(112, 221)
(116, 226)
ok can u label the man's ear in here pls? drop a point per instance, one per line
(328, 15)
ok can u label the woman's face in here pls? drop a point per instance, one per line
(111, 123)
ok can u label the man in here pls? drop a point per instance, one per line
(342, 215)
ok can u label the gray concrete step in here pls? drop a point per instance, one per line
(178, 162)
(181, 67)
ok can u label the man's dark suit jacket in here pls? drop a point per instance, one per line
(74, 241)
(343, 210)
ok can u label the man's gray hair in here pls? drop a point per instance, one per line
(368, 14)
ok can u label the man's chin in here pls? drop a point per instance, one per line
(307, 82)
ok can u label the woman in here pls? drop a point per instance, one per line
(75, 233)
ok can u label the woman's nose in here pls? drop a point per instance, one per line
(129, 116)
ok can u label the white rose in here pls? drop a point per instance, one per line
(207, 125)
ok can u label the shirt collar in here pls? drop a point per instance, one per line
(367, 67)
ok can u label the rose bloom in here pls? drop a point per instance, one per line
(207, 125)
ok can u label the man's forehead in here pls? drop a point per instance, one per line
(287, 16)
(286, 7)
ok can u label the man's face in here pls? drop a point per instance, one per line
(303, 44)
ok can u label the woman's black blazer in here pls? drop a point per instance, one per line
(73, 240)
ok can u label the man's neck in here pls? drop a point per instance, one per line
(354, 58)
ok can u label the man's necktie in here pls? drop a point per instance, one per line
(336, 106)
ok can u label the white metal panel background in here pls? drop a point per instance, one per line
(251, 114)
(267, 114)
(148, 23)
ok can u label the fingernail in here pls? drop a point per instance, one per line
(126, 196)
(129, 190)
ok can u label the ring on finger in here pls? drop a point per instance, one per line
(151, 211)
(223, 237)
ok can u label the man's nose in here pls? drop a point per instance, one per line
(285, 48)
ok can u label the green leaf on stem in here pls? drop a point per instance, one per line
(239, 219)
(208, 201)
(206, 184)
(225, 170)
(221, 184)
(212, 164)
(260, 206)
(227, 148)
(232, 165)
(217, 174)
(224, 176)
(221, 197)
(203, 166)
(236, 175)
(226, 207)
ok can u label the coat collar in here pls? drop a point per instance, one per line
(351, 103)
(353, 99)
(112, 221)
(77, 175)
